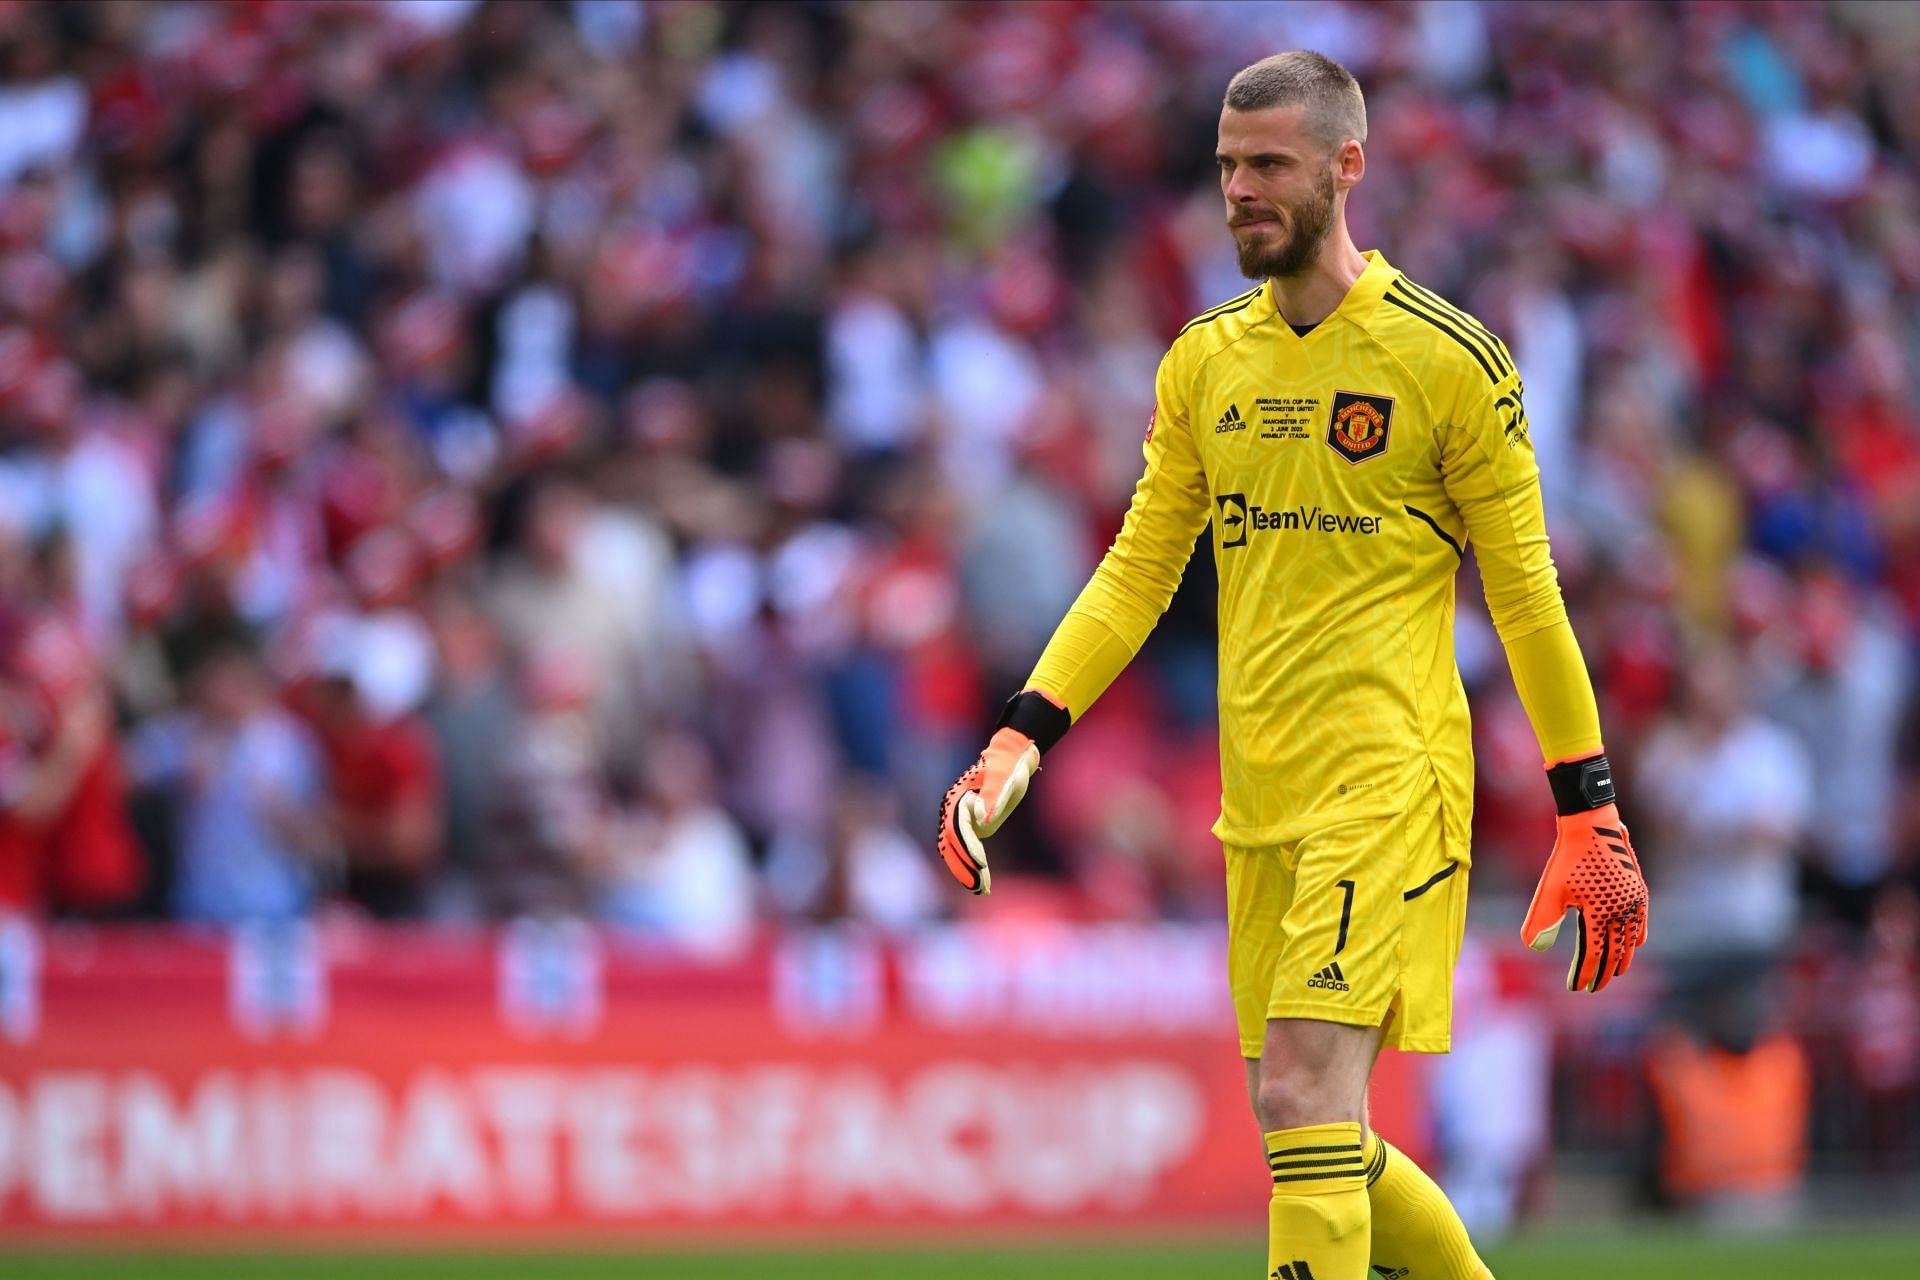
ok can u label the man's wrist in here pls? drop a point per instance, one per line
(1038, 716)
(1581, 785)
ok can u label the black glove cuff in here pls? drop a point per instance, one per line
(1580, 785)
(1030, 712)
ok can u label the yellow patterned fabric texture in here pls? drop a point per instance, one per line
(1344, 473)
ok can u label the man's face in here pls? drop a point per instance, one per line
(1281, 187)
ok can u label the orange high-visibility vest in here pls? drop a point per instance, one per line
(1734, 1123)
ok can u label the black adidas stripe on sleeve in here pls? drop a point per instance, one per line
(1228, 307)
(1414, 307)
(1502, 359)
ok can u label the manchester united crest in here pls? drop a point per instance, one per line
(1357, 428)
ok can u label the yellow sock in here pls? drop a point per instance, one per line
(1416, 1233)
(1317, 1220)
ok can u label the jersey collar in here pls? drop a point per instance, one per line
(1362, 296)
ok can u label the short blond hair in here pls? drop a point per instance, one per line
(1336, 109)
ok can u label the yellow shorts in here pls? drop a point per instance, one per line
(1350, 923)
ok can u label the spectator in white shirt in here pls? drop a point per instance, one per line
(1725, 796)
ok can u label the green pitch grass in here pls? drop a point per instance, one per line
(1635, 1254)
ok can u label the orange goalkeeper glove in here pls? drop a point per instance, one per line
(987, 792)
(1591, 870)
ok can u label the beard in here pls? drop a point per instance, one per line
(1308, 222)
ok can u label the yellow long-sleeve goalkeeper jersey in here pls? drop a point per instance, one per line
(1344, 471)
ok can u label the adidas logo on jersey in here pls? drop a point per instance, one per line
(1295, 1270)
(1330, 979)
(1230, 421)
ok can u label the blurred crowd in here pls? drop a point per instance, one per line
(466, 460)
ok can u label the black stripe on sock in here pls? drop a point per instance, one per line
(1313, 1151)
(1331, 1166)
(1317, 1177)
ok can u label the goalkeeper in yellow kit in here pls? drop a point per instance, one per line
(1349, 434)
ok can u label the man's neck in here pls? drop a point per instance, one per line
(1312, 295)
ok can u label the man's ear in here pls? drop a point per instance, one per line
(1349, 164)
